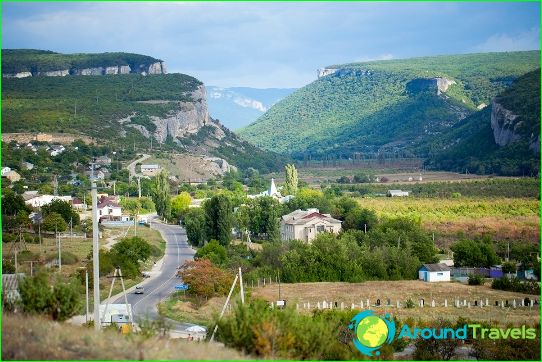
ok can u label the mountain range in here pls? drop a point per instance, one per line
(394, 108)
(82, 94)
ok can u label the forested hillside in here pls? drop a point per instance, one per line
(34, 61)
(470, 145)
(391, 107)
(123, 110)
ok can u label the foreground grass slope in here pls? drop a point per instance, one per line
(34, 338)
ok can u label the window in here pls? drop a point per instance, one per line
(440, 274)
(320, 228)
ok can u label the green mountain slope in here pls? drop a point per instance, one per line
(470, 145)
(34, 61)
(126, 110)
(386, 106)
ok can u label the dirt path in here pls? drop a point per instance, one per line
(132, 166)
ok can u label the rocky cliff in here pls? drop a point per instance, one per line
(187, 118)
(507, 126)
(22, 63)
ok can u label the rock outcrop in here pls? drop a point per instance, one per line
(188, 118)
(503, 123)
(153, 68)
(17, 75)
(439, 85)
(55, 73)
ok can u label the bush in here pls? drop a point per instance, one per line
(516, 285)
(475, 279)
(409, 303)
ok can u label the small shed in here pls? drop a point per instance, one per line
(434, 273)
(397, 193)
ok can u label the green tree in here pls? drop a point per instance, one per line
(12, 203)
(64, 208)
(473, 253)
(194, 223)
(213, 251)
(265, 217)
(360, 219)
(180, 204)
(219, 218)
(54, 222)
(35, 294)
(133, 207)
(291, 182)
(65, 300)
(160, 195)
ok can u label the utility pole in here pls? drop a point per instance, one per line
(241, 286)
(59, 253)
(139, 187)
(95, 254)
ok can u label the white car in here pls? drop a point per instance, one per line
(139, 290)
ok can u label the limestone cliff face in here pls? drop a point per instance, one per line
(17, 75)
(153, 68)
(503, 124)
(188, 117)
(440, 85)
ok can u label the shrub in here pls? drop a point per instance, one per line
(475, 279)
(409, 303)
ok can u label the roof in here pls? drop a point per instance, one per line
(301, 217)
(436, 267)
(150, 166)
(108, 203)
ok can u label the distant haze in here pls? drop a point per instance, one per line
(265, 45)
(239, 106)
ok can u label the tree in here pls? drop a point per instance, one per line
(160, 194)
(180, 204)
(61, 300)
(213, 251)
(64, 208)
(205, 280)
(54, 222)
(437, 349)
(360, 219)
(12, 203)
(291, 182)
(218, 219)
(473, 253)
(194, 223)
(265, 217)
(133, 207)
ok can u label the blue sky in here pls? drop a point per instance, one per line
(270, 44)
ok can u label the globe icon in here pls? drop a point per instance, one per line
(372, 331)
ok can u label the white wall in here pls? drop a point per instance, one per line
(442, 276)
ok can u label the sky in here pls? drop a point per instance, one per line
(270, 45)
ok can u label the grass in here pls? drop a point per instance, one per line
(181, 308)
(35, 338)
(349, 293)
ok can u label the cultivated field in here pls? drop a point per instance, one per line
(349, 293)
(502, 218)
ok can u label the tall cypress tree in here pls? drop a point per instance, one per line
(219, 219)
(160, 194)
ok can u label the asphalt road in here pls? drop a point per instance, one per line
(132, 166)
(159, 287)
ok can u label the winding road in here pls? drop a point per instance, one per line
(159, 287)
(132, 166)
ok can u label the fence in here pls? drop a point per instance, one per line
(72, 235)
(421, 303)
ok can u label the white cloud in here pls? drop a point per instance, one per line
(502, 42)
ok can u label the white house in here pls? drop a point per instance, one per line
(109, 210)
(150, 170)
(434, 273)
(42, 200)
(304, 225)
(397, 193)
